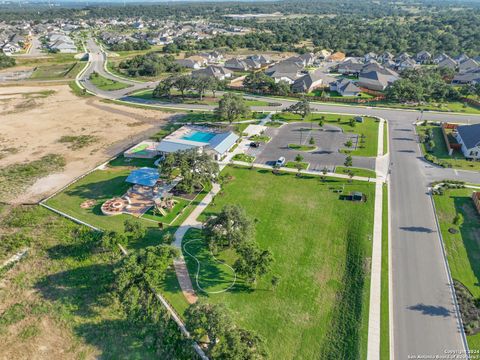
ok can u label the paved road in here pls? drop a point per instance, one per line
(424, 317)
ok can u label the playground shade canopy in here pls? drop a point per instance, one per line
(144, 176)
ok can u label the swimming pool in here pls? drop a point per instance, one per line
(199, 136)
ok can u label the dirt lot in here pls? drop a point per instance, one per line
(35, 118)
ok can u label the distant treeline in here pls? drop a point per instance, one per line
(187, 10)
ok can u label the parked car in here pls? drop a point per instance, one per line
(280, 162)
(255, 144)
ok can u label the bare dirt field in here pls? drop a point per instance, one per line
(33, 119)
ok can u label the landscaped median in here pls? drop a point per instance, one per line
(321, 246)
(460, 227)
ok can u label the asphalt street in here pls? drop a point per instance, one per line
(424, 316)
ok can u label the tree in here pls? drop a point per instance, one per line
(110, 240)
(231, 227)
(299, 158)
(231, 107)
(349, 143)
(6, 61)
(348, 161)
(164, 88)
(208, 320)
(137, 275)
(324, 173)
(252, 262)
(281, 88)
(133, 229)
(196, 169)
(458, 219)
(240, 344)
(182, 84)
(301, 108)
(201, 85)
(311, 141)
(275, 281)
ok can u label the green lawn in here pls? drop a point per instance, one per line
(334, 94)
(449, 106)
(180, 205)
(107, 84)
(356, 171)
(369, 128)
(457, 160)
(193, 98)
(385, 137)
(57, 71)
(302, 147)
(463, 248)
(294, 164)
(244, 157)
(321, 248)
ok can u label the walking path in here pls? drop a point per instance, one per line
(373, 347)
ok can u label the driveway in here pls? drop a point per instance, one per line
(328, 140)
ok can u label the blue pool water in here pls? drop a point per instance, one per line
(199, 136)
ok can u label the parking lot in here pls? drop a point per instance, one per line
(329, 140)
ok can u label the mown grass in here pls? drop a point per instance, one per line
(368, 128)
(107, 84)
(77, 90)
(16, 178)
(462, 248)
(321, 248)
(356, 171)
(296, 164)
(439, 150)
(57, 71)
(449, 106)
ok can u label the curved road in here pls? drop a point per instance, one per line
(424, 315)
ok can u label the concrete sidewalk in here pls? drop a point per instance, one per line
(373, 347)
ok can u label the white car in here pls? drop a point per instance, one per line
(280, 162)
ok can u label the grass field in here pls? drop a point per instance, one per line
(385, 137)
(293, 165)
(57, 71)
(357, 171)
(463, 248)
(457, 160)
(451, 106)
(193, 98)
(321, 248)
(369, 128)
(107, 84)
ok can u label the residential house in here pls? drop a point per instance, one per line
(439, 58)
(469, 138)
(311, 81)
(236, 64)
(323, 54)
(218, 72)
(10, 48)
(386, 56)
(345, 87)
(468, 65)
(350, 66)
(402, 57)
(406, 65)
(190, 63)
(448, 63)
(370, 56)
(467, 78)
(287, 71)
(377, 79)
(262, 59)
(423, 57)
(461, 58)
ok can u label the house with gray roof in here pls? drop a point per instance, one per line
(217, 72)
(350, 67)
(469, 137)
(345, 87)
(468, 65)
(288, 71)
(467, 78)
(311, 81)
(375, 77)
(448, 63)
(423, 57)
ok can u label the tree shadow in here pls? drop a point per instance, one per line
(83, 288)
(431, 310)
(402, 139)
(420, 229)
